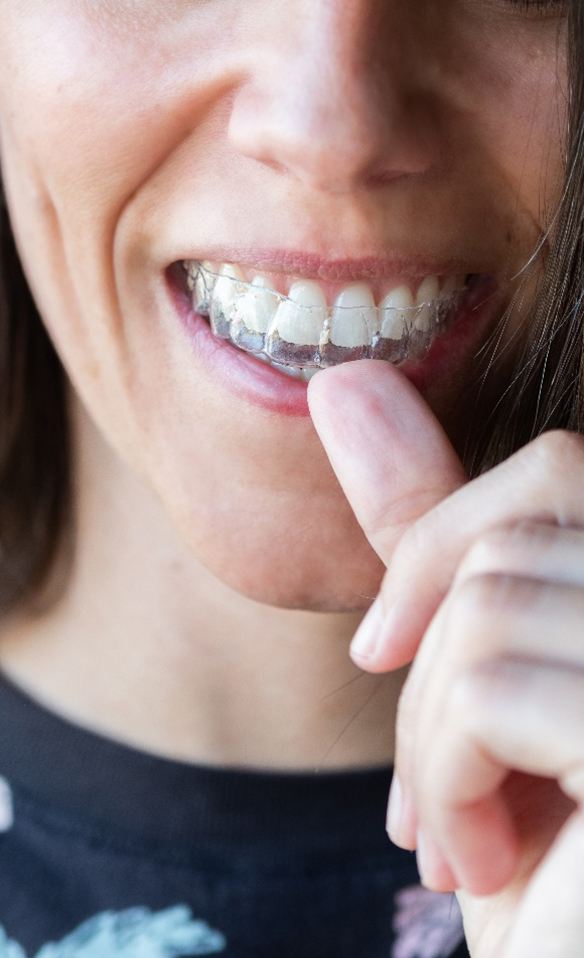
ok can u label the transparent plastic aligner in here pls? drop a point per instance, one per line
(259, 320)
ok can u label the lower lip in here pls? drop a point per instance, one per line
(255, 382)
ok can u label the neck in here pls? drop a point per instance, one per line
(146, 646)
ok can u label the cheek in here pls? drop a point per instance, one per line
(89, 112)
(506, 88)
(82, 133)
(80, 128)
(95, 104)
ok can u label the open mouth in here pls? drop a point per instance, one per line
(300, 326)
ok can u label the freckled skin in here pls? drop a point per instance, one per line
(133, 131)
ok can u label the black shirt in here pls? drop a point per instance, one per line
(108, 851)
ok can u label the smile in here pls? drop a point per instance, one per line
(304, 327)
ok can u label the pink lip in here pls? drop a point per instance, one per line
(342, 268)
(247, 378)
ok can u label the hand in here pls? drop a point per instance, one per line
(485, 592)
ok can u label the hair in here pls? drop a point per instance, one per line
(545, 390)
(546, 387)
(35, 473)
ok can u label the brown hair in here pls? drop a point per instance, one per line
(546, 387)
(34, 437)
(545, 392)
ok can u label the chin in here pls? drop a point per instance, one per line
(292, 572)
(305, 596)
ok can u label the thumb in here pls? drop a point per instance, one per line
(388, 450)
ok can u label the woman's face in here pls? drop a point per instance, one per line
(381, 141)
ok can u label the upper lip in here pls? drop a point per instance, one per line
(337, 268)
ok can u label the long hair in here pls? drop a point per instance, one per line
(546, 390)
(35, 474)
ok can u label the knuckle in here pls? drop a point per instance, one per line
(558, 450)
(487, 551)
(474, 597)
(482, 601)
(494, 549)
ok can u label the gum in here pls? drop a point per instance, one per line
(227, 322)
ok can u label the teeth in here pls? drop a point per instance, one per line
(225, 293)
(201, 283)
(256, 308)
(354, 318)
(451, 284)
(300, 333)
(395, 310)
(302, 326)
(225, 290)
(428, 292)
(293, 371)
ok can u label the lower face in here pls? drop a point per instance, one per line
(351, 165)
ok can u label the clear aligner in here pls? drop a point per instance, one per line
(272, 326)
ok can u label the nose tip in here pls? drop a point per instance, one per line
(335, 135)
(313, 157)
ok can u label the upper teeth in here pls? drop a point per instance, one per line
(354, 317)
(303, 317)
(297, 325)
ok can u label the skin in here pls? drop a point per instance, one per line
(484, 592)
(132, 132)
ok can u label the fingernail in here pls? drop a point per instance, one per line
(432, 865)
(394, 808)
(368, 634)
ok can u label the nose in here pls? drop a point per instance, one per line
(334, 100)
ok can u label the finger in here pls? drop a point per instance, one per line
(550, 921)
(435, 872)
(542, 482)
(484, 616)
(495, 723)
(388, 450)
(533, 549)
(524, 547)
(416, 699)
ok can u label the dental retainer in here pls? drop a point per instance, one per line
(282, 331)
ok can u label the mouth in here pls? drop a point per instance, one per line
(300, 325)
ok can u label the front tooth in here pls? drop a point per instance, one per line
(258, 305)
(354, 317)
(428, 293)
(396, 311)
(303, 325)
